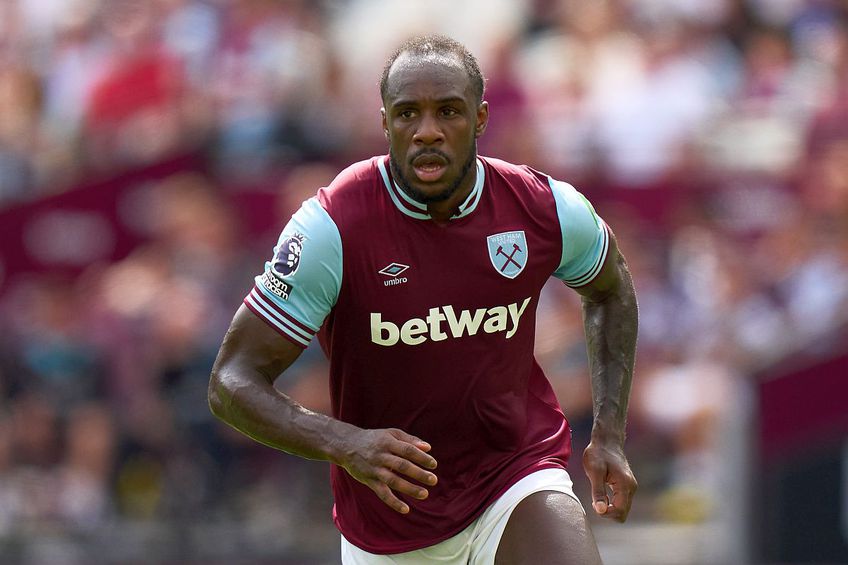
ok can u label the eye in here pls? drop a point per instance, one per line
(449, 112)
(406, 114)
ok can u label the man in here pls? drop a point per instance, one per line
(423, 270)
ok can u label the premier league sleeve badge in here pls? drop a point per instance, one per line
(287, 258)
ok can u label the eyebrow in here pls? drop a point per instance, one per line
(446, 100)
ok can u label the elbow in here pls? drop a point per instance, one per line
(216, 394)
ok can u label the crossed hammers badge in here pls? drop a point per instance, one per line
(508, 252)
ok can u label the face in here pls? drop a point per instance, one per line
(432, 121)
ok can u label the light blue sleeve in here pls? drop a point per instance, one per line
(585, 237)
(301, 282)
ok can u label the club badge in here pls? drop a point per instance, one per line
(508, 252)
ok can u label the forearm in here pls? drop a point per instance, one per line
(611, 325)
(242, 394)
(248, 402)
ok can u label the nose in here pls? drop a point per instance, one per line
(429, 131)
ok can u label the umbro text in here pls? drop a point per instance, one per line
(399, 280)
(416, 331)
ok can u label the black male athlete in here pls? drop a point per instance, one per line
(420, 272)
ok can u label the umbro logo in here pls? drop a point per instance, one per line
(393, 270)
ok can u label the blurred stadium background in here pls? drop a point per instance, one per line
(150, 151)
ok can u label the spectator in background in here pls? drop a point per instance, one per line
(20, 110)
(85, 500)
(134, 110)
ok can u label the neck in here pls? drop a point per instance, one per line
(444, 210)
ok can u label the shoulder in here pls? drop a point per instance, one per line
(514, 170)
(311, 220)
(310, 237)
(528, 176)
(521, 179)
(356, 194)
(351, 181)
(571, 202)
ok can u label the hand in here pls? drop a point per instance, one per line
(379, 459)
(613, 483)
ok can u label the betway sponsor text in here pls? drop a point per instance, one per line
(443, 322)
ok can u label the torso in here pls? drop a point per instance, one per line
(441, 345)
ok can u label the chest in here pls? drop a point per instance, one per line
(406, 268)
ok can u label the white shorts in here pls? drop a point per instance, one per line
(478, 543)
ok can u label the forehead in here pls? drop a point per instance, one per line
(431, 76)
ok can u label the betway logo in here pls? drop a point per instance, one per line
(418, 330)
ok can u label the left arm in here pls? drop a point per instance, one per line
(610, 320)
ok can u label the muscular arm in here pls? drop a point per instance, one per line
(242, 394)
(610, 318)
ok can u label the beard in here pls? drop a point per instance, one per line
(420, 196)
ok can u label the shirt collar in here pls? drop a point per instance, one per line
(415, 209)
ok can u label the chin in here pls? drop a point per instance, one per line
(428, 193)
(432, 194)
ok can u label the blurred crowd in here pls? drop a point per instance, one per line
(712, 135)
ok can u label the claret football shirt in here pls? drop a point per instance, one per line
(429, 327)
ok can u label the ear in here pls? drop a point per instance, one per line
(384, 122)
(482, 119)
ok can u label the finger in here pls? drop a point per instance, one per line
(412, 453)
(401, 485)
(385, 494)
(409, 438)
(411, 470)
(613, 512)
(622, 498)
(601, 505)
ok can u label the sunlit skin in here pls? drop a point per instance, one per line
(432, 120)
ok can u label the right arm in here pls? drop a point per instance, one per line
(242, 394)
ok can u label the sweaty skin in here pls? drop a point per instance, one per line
(610, 320)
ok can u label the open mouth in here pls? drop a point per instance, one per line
(429, 168)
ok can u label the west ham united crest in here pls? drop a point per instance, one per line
(508, 252)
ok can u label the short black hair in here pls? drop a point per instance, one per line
(437, 45)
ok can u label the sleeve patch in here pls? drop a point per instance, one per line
(273, 284)
(287, 258)
(300, 283)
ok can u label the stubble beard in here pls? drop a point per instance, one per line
(418, 195)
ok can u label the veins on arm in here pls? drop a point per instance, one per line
(242, 394)
(610, 319)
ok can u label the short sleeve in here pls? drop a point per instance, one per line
(585, 236)
(301, 282)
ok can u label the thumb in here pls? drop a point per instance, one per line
(600, 500)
